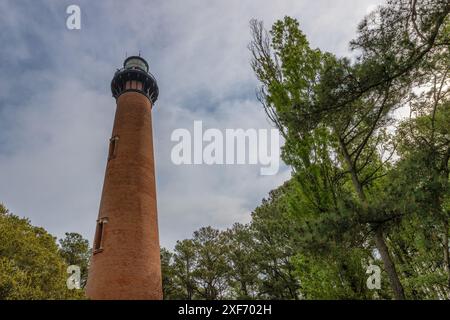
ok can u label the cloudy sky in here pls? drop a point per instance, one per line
(56, 108)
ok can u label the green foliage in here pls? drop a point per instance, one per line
(76, 251)
(30, 264)
(275, 246)
(211, 271)
(168, 275)
(357, 182)
(340, 275)
(243, 280)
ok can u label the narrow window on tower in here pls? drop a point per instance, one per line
(113, 142)
(99, 233)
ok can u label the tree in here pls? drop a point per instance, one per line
(30, 264)
(76, 251)
(210, 274)
(184, 263)
(243, 280)
(334, 114)
(275, 238)
(168, 276)
(335, 148)
(420, 183)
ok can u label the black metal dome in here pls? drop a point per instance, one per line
(135, 68)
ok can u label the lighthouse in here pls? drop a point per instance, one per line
(125, 262)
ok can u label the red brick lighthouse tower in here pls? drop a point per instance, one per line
(126, 259)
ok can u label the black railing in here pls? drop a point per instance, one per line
(149, 84)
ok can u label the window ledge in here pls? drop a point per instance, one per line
(98, 250)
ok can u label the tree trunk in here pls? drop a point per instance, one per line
(389, 265)
(379, 238)
(446, 253)
(244, 289)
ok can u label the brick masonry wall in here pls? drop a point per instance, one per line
(128, 267)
